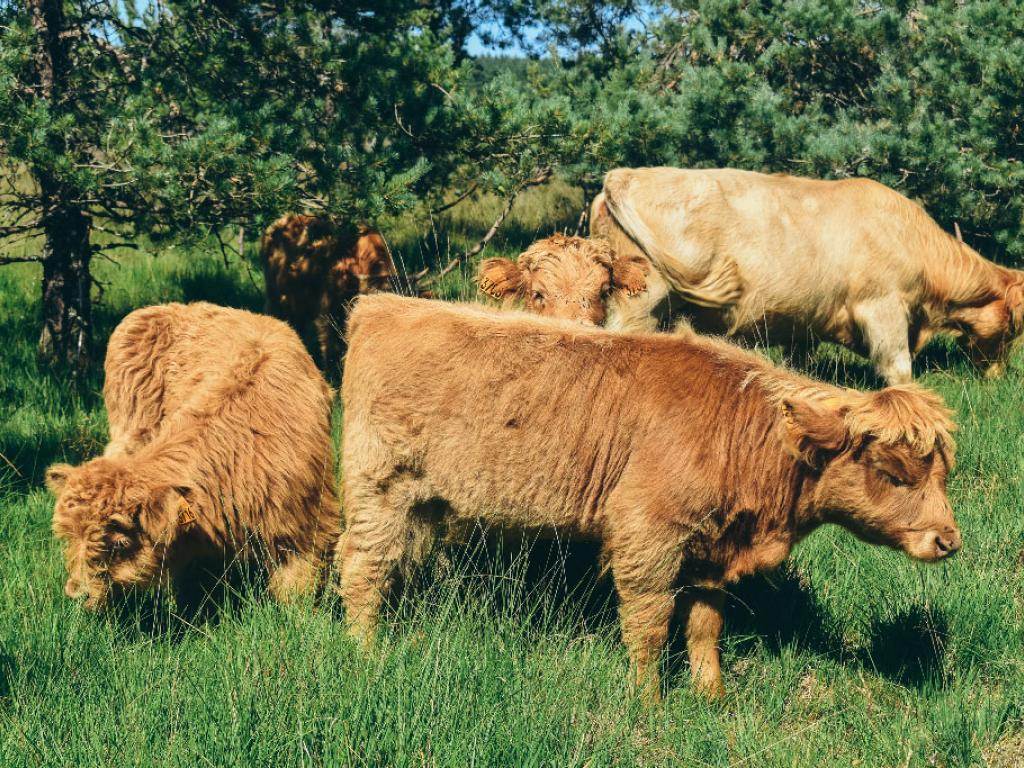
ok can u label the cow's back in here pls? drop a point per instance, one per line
(164, 358)
(530, 420)
(803, 247)
(243, 415)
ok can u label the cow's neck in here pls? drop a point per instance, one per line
(779, 524)
(957, 276)
(173, 458)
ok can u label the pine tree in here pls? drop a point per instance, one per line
(59, 80)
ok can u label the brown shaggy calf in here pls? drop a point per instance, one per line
(565, 277)
(693, 462)
(313, 269)
(220, 446)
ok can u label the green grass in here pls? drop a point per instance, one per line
(849, 655)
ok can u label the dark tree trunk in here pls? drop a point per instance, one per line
(67, 285)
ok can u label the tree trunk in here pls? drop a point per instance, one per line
(67, 284)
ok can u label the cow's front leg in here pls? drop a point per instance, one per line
(645, 623)
(885, 330)
(701, 611)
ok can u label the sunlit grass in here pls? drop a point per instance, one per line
(849, 655)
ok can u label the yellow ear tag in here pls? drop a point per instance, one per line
(787, 414)
(488, 287)
(186, 516)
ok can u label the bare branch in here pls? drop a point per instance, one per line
(19, 259)
(111, 246)
(448, 206)
(539, 177)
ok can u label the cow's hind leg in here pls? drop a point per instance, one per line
(645, 580)
(381, 539)
(883, 325)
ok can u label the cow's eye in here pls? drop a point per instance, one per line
(538, 297)
(119, 542)
(605, 291)
(893, 480)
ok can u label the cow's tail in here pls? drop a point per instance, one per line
(719, 287)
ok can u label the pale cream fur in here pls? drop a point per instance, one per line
(784, 258)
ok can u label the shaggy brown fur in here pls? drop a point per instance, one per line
(692, 461)
(782, 258)
(219, 446)
(569, 278)
(313, 269)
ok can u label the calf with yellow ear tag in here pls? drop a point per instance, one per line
(571, 278)
(220, 448)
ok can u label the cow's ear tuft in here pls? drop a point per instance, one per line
(813, 429)
(629, 275)
(57, 477)
(501, 278)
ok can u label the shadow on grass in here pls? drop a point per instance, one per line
(780, 610)
(8, 671)
(29, 456)
(545, 584)
(530, 581)
(909, 648)
(204, 593)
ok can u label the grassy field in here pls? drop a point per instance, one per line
(848, 656)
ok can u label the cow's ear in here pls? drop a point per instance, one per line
(57, 477)
(814, 429)
(171, 509)
(1015, 309)
(501, 278)
(629, 275)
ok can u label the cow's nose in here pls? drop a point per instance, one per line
(947, 543)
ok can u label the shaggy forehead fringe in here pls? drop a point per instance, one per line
(900, 415)
(905, 414)
(554, 248)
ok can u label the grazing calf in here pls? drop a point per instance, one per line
(693, 462)
(313, 269)
(787, 258)
(220, 446)
(565, 277)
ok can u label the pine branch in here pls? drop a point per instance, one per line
(448, 206)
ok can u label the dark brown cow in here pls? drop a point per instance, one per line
(313, 269)
(692, 461)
